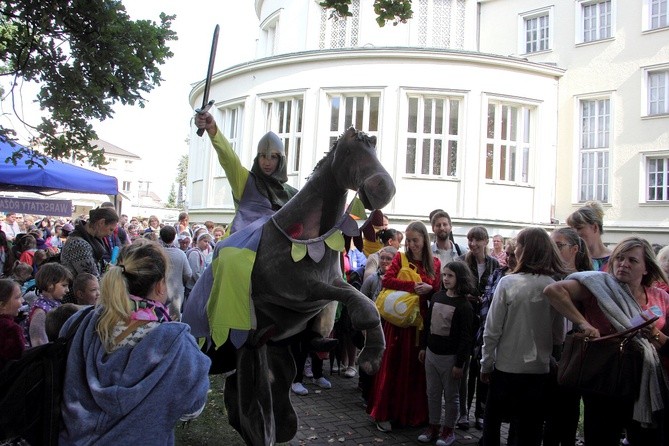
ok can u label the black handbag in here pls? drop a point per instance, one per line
(609, 365)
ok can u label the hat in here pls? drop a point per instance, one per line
(68, 227)
(205, 235)
(269, 143)
(185, 235)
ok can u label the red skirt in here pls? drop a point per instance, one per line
(398, 391)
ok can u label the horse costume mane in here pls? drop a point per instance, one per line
(268, 280)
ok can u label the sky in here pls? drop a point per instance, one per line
(159, 131)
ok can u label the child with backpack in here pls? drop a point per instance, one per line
(131, 373)
(53, 283)
(11, 333)
(446, 345)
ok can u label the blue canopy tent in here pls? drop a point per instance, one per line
(54, 176)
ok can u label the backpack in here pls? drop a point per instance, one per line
(31, 390)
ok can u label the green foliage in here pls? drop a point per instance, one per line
(396, 11)
(182, 176)
(86, 56)
(172, 198)
(392, 10)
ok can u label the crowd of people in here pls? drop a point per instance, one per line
(492, 318)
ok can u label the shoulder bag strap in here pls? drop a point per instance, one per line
(405, 261)
(627, 333)
(132, 326)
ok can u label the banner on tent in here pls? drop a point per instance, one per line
(58, 208)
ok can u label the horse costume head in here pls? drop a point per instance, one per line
(296, 273)
(355, 157)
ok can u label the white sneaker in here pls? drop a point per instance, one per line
(350, 372)
(322, 383)
(384, 426)
(298, 389)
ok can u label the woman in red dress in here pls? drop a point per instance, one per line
(398, 392)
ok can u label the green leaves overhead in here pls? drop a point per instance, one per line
(85, 55)
(396, 11)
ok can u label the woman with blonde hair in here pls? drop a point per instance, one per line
(588, 221)
(607, 304)
(131, 373)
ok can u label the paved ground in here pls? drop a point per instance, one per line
(337, 416)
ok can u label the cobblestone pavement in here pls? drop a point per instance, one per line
(337, 416)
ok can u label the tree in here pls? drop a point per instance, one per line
(85, 56)
(397, 11)
(182, 176)
(172, 198)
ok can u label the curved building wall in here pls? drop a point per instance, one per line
(471, 133)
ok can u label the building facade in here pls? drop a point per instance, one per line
(487, 109)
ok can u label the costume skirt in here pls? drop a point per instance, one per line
(399, 390)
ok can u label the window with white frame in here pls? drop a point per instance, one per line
(594, 147)
(433, 135)
(284, 117)
(340, 32)
(439, 24)
(269, 35)
(657, 82)
(536, 34)
(229, 121)
(126, 186)
(655, 14)
(596, 20)
(509, 141)
(657, 178)
(359, 110)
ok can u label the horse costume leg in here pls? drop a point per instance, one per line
(248, 398)
(282, 373)
(364, 316)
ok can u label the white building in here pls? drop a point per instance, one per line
(504, 113)
(136, 197)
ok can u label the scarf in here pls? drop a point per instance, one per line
(143, 309)
(99, 250)
(619, 306)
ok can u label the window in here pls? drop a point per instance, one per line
(536, 31)
(126, 186)
(657, 171)
(338, 32)
(658, 91)
(284, 117)
(655, 14)
(439, 24)
(269, 35)
(229, 122)
(433, 136)
(509, 141)
(594, 150)
(358, 110)
(595, 20)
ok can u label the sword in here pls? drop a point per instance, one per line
(206, 103)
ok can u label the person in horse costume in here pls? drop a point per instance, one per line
(261, 192)
(268, 279)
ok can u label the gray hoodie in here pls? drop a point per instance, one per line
(134, 395)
